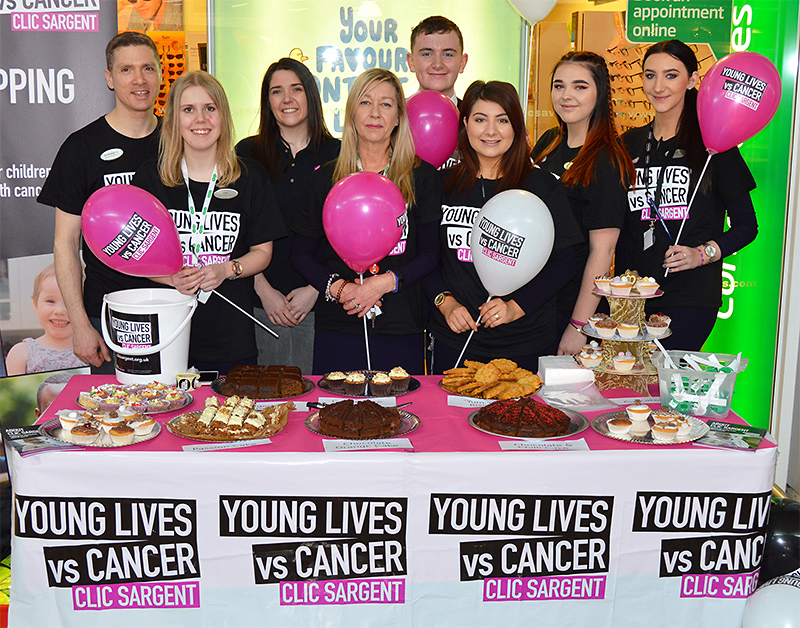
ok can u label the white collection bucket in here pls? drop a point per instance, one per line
(148, 330)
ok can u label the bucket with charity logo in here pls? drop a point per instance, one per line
(148, 330)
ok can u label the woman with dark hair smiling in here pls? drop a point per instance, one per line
(292, 142)
(586, 153)
(669, 154)
(521, 326)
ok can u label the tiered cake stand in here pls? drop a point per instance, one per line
(626, 308)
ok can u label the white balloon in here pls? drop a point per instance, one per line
(533, 10)
(776, 604)
(511, 240)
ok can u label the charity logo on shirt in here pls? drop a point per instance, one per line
(674, 198)
(115, 178)
(215, 234)
(458, 221)
(400, 247)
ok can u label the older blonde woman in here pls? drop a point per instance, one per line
(226, 216)
(376, 138)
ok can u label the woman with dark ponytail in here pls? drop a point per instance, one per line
(669, 155)
(585, 152)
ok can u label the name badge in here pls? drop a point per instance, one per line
(111, 154)
(226, 193)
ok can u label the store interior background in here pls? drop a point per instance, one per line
(584, 24)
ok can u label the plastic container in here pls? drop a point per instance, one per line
(705, 393)
(148, 330)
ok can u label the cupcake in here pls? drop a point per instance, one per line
(355, 384)
(638, 411)
(110, 421)
(175, 399)
(665, 415)
(68, 418)
(143, 426)
(606, 328)
(590, 359)
(620, 286)
(602, 283)
(84, 434)
(380, 385)
(624, 361)
(684, 426)
(594, 318)
(335, 380)
(656, 328)
(400, 379)
(620, 425)
(639, 429)
(664, 432)
(647, 286)
(628, 329)
(122, 434)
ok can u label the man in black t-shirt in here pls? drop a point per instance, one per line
(105, 152)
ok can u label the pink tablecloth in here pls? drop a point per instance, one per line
(443, 428)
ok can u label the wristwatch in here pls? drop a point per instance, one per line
(237, 269)
(441, 297)
(710, 251)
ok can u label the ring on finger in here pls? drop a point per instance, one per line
(496, 317)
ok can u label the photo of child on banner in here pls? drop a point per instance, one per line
(512, 239)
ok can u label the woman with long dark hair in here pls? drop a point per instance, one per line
(585, 152)
(522, 325)
(291, 143)
(376, 138)
(669, 155)
(226, 216)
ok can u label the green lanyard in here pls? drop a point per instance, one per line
(198, 219)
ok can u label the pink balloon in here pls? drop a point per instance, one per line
(434, 126)
(363, 218)
(737, 98)
(129, 230)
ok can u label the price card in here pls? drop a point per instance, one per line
(366, 445)
(457, 401)
(544, 445)
(626, 401)
(232, 445)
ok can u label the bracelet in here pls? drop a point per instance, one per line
(331, 279)
(396, 280)
(577, 324)
(702, 257)
(339, 291)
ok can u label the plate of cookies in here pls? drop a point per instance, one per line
(497, 379)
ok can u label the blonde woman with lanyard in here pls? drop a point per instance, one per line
(669, 155)
(225, 213)
(376, 138)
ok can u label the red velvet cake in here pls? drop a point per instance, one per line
(523, 417)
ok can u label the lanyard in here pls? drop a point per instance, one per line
(654, 202)
(361, 169)
(198, 219)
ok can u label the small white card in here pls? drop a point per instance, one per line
(544, 445)
(366, 445)
(260, 405)
(232, 445)
(386, 402)
(626, 401)
(457, 401)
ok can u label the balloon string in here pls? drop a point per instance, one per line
(366, 336)
(250, 316)
(691, 200)
(477, 322)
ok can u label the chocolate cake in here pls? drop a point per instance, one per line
(258, 382)
(358, 420)
(523, 417)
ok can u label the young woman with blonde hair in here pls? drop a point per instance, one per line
(226, 216)
(376, 138)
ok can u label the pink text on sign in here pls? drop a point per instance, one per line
(738, 585)
(99, 597)
(546, 588)
(366, 591)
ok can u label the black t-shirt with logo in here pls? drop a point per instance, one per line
(89, 159)
(230, 227)
(730, 179)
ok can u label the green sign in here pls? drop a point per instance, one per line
(748, 319)
(691, 21)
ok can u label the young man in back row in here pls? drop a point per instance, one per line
(109, 150)
(437, 55)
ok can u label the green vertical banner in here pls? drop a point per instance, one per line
(748, 319)
(339, 40)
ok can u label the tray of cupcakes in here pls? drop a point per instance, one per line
(88, 428)
(366, 383)
(639, 424)
(150, 398)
